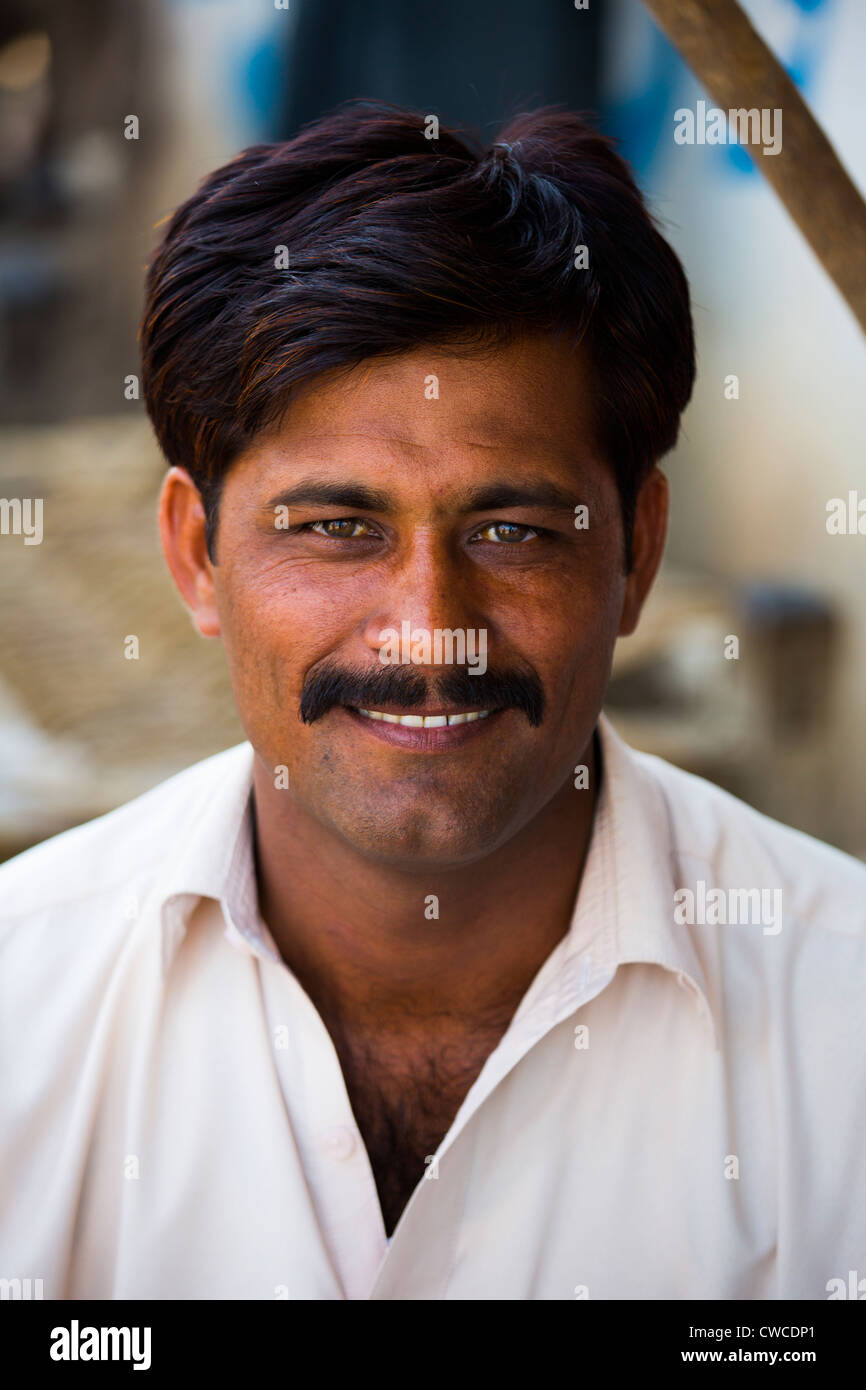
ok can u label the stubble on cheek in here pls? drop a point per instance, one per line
(261, 679)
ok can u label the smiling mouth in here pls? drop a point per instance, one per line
(439, 729)
(440, 720)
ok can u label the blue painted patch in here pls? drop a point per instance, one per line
(639, 120)
(257, 79)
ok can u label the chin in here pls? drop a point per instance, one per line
(418, 839)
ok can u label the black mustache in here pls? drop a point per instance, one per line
(330, 686)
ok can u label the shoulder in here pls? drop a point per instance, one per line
(823, 888)
(113, 853)
(776, 922)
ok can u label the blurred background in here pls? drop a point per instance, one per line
(89, 717)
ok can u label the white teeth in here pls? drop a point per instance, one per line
(428, 721)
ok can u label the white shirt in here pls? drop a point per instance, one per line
(675, 1110)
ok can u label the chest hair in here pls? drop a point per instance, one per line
(404, 1102)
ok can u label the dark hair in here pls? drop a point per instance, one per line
(395, 241)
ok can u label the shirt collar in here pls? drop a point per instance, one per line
(216, 861)
(623, 912)
(636, 841)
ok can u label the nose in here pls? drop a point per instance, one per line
(429, 585)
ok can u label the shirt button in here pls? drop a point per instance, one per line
(339, 1142)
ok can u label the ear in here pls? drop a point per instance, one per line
(648, 543)
(182, 529)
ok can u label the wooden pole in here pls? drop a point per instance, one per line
(738, 70)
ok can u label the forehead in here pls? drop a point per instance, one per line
(530, 400)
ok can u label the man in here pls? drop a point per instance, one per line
(433, 989)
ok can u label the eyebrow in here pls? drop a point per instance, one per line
(494, 496)
(311, 492)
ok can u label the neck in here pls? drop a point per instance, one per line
(364, 940)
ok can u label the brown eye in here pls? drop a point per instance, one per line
(506, 532)
(341, 528)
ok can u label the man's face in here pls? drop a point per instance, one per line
(385, 499)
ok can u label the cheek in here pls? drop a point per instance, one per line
(570, 625)
(571, 647)
(263, 641)
(273, 621)
(579, 666)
